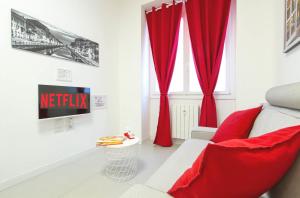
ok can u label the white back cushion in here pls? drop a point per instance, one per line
(285, 96)
(273, 118)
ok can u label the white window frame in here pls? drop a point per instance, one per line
(229, 93)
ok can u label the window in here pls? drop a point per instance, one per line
(184, 80)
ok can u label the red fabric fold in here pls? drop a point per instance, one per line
(163, 27)
(208, 21)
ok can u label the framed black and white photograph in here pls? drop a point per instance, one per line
(28, 33)
(292, 24)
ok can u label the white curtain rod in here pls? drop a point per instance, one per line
(168, 4)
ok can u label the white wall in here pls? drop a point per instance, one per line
(261, 62)
(257, 46)
(131, 73)
(27, 144)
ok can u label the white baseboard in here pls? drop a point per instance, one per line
(33, 173)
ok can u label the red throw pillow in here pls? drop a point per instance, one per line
(237, 125)
(238, 168)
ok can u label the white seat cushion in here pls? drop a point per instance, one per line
(142, 191)
(164, 178)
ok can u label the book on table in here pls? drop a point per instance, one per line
(110, 140)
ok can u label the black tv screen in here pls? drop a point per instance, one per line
(58, 101)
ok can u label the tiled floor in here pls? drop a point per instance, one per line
(84, 178)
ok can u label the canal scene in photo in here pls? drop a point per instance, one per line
(292, 24)
(28, 33)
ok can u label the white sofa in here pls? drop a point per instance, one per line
(271, 118)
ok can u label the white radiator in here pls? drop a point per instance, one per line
(183, 118)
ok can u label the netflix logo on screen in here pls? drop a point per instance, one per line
(57, 101)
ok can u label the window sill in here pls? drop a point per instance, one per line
(195, 96)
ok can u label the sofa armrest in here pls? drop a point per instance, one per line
(204, 133)
(142, 191)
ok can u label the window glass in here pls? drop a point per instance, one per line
(222, 79)
(193, 79)
(187, 76)
(177, 83)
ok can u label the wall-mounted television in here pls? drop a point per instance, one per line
(61, 101)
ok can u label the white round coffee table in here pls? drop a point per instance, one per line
(122, 160)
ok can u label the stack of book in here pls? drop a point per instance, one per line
(110, 140)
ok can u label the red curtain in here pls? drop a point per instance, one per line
(163, 26)
(207, 20)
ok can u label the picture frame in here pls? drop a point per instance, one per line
(34, 35)
(291, 24)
